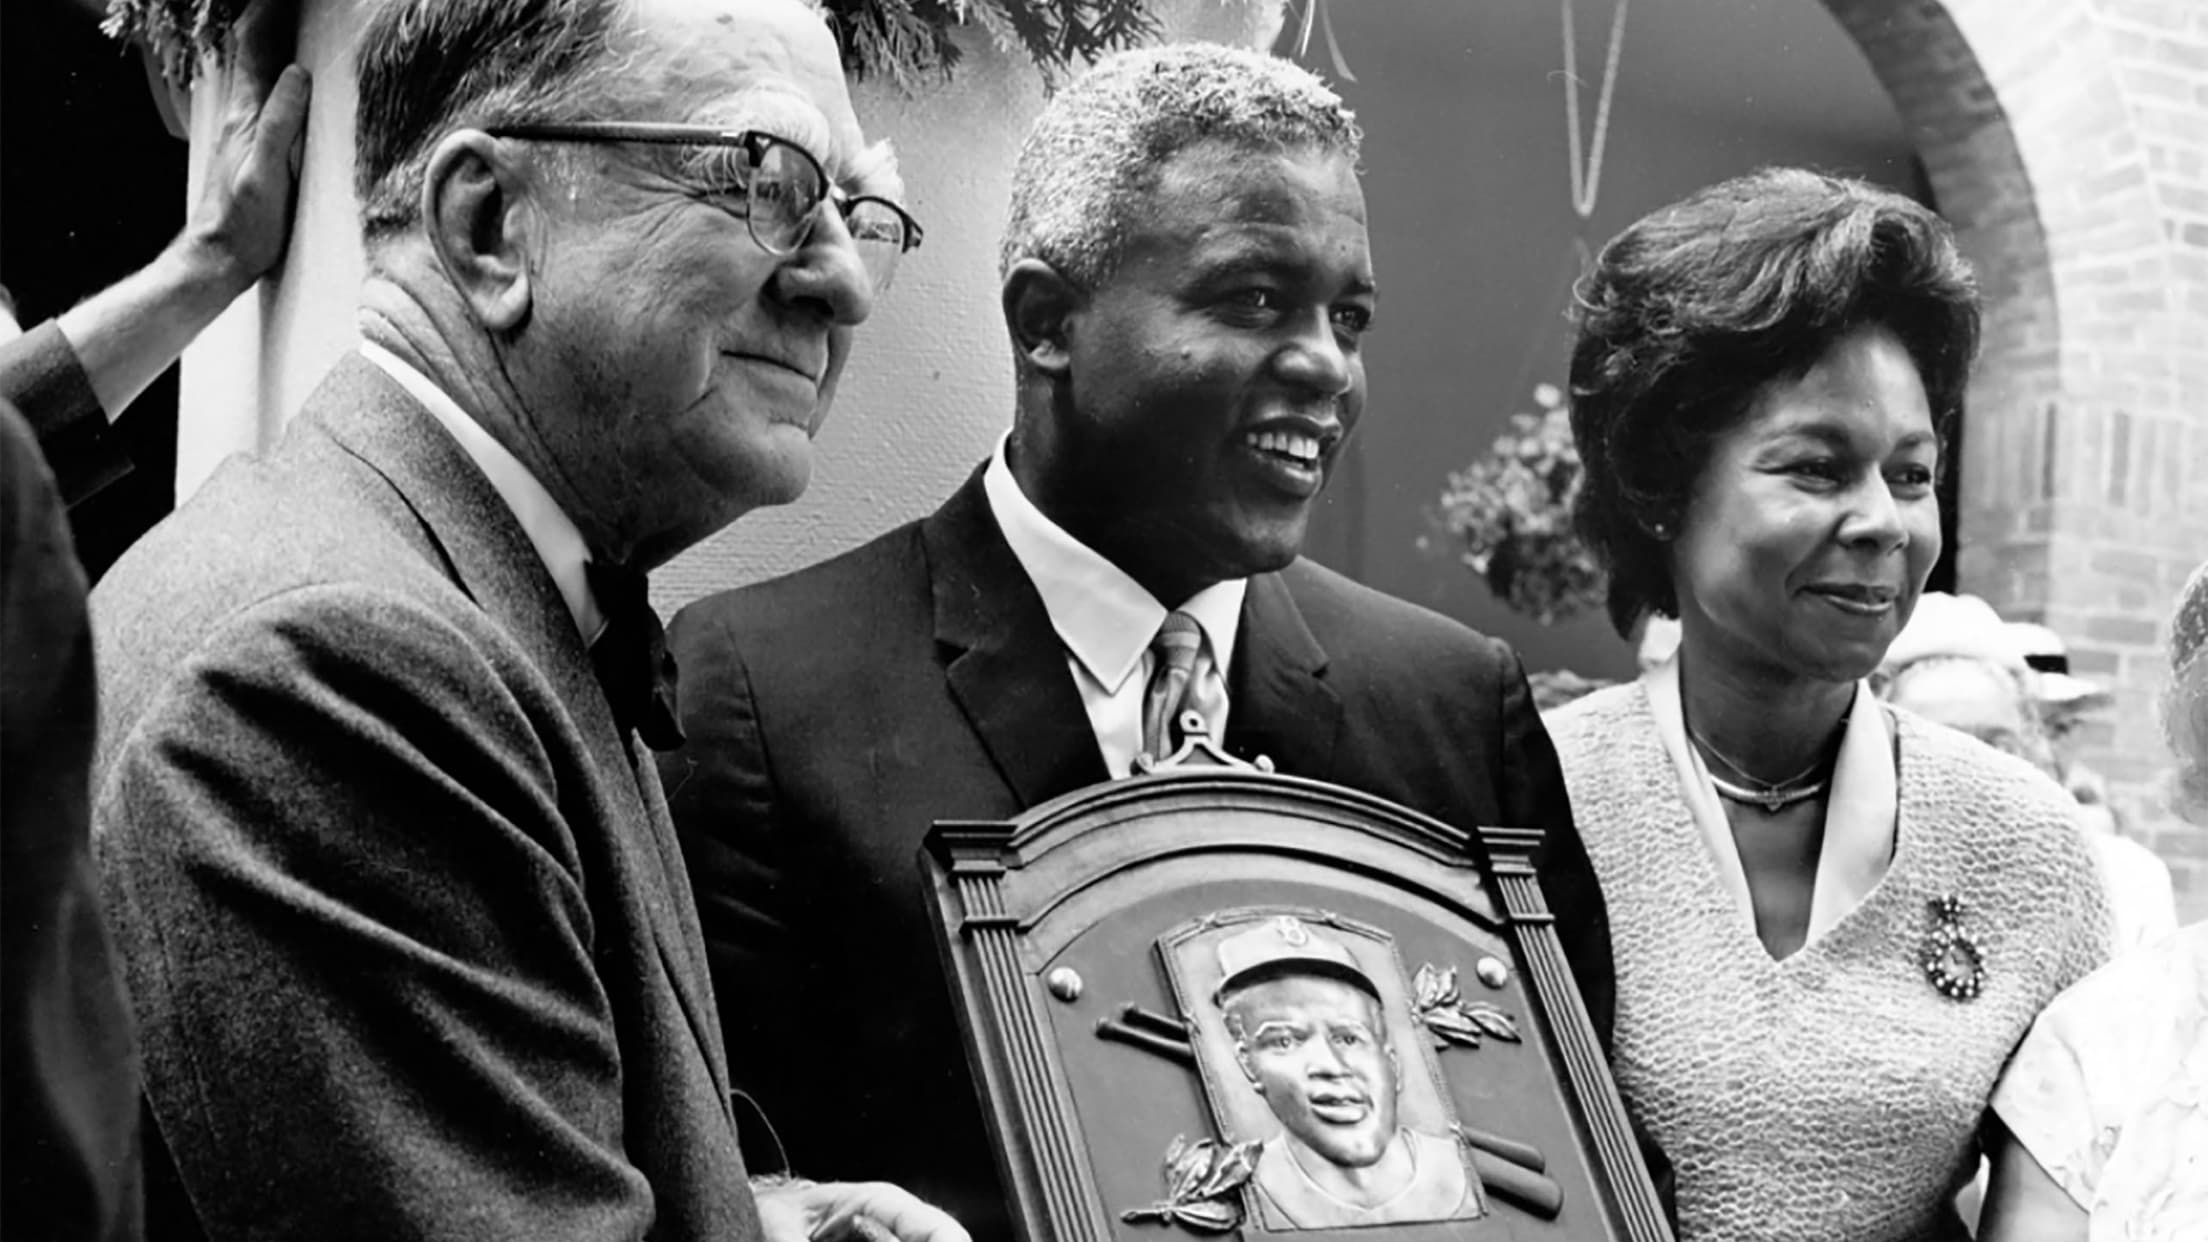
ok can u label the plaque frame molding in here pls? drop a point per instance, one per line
(994, 881)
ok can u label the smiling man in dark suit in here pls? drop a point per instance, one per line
(1187, 286)
(402, 912)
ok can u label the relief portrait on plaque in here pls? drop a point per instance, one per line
(1211, 1003)
(1317, 1071)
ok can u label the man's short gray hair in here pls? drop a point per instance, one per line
(427, 67)
(1095, 154)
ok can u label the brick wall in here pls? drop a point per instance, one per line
(2068, 141)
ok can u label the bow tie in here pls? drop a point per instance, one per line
(631, 657)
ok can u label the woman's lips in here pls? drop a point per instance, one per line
(1856, 598)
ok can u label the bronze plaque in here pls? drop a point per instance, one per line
(1216, 1002)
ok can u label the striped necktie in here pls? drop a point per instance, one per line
(1173, 663)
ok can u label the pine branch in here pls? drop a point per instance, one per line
(178, 31)
(1034, 23)
(908, 41)
(992, 19)
(1123, 23)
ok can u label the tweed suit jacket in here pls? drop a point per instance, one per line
(402, 914)
(835, 714)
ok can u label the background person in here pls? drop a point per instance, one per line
(69, 1163)
(402, 913)
(1954, 664)
(1957, 663)
(1186, 287)
(1760, 382)
(2066, 701)
(2067, 704)
(2104, 1110)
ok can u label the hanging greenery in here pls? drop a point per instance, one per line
(906, 41)
(909, 41)
(1510, 513)
(178, 32)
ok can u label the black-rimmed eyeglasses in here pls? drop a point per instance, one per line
(781, 185)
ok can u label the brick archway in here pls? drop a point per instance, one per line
(2068, 142)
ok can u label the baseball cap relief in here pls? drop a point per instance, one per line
(1285, 945)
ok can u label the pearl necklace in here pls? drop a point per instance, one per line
(1772, 796)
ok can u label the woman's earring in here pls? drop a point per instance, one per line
(1661, 530)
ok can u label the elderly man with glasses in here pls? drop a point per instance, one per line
(402, 912)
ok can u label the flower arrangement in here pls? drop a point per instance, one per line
(1512, 512)
(906, 40)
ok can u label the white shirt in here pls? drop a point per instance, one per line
(1107, 621)
(554, 535)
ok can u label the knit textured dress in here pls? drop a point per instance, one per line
(1836, 1093)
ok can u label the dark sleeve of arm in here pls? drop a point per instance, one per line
(721, 793)
(40, 374)
(68, 1071)
(354, 926)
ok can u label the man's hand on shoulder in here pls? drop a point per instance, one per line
(793, 1210)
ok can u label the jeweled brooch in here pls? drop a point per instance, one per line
(1952, 958)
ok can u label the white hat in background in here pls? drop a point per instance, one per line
(2044, 652)
(1955, 625)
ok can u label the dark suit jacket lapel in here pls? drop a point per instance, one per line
(1007, 668)
(490, 557)
(1279, 702)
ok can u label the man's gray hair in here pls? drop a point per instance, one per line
(1094, 156)
(427, 67)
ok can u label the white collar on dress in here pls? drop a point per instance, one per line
(1860, 809)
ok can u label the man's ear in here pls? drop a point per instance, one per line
(1039, 304)
(472, 209)
(1242, 1050)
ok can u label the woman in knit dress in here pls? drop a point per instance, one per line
(1832, 921)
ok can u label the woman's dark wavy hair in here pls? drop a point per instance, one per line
(1695, 307)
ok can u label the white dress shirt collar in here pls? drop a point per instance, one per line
(550, 530)
(1105, 618)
